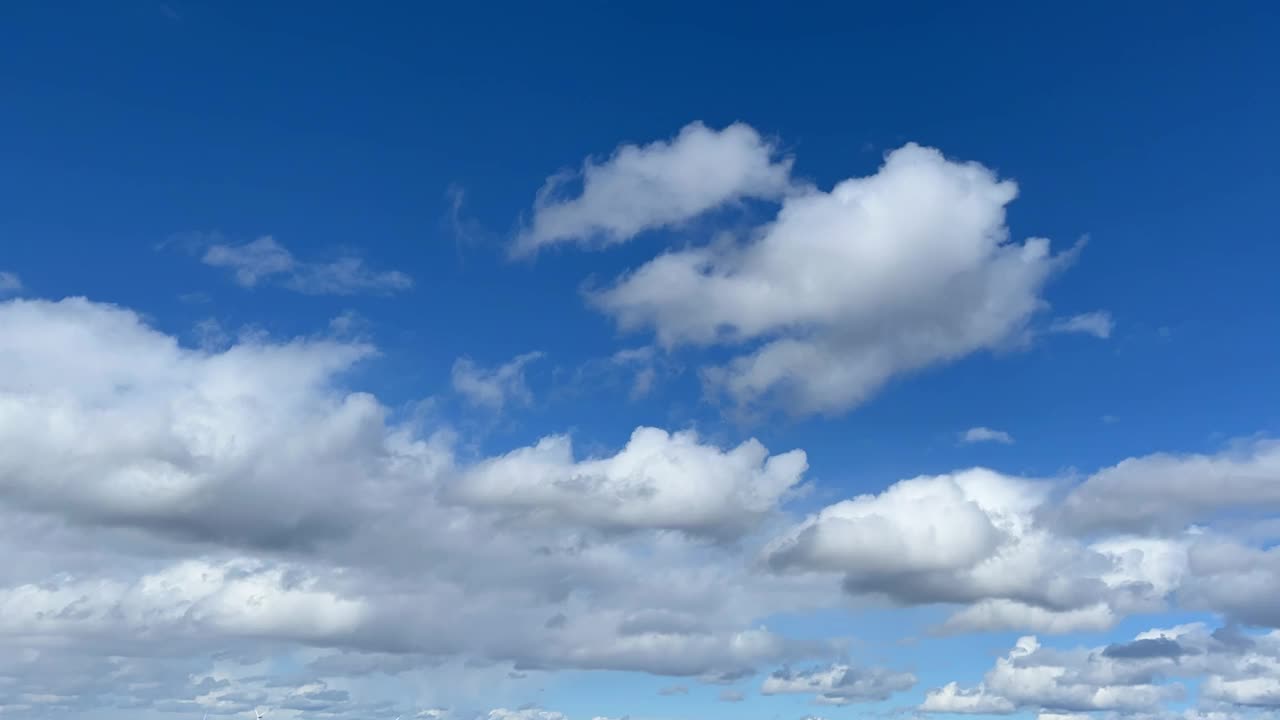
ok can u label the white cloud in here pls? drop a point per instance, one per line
(664, 183)
(266, 260)
(973, 538)
(1166, 492)
(9, 283)
(659, 480)
(1098, 324)
(985, 434)
(494, 388)
(839, 684)
(844, 290)
(951, 699)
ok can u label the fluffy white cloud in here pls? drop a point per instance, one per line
(1098, 324)
(664, 183)
(951, 699)
(1136, 677)
(839, 684)
(985, 434)
(974, 538)
(659, 480)
(493, 388)
(1165, 492)
(266, 260)
(195, 500)
(884, 274)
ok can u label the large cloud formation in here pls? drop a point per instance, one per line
(197, 501)
(173, 520)
(842, 291)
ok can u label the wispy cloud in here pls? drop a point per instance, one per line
(9, 283)
(493, 388)
(265, 260)
(985, 434)
(1098, 324)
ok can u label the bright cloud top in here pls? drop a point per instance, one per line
(659, 480)
(1141, 676)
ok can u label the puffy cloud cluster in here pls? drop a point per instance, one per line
(197, 502)
(974, 539)
(840, 292)
(1237, 671)
(160, 504)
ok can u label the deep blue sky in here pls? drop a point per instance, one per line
(337, 127)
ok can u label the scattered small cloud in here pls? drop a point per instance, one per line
(9, 283)
(195, 298)
(1098, 324)
(731, 696)
(494, 388)
(985, 434)
(674, 690)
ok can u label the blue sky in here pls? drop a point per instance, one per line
(329, 320)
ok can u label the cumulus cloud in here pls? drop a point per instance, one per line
(660, 480)
(839, 684)
(663, 183)
(985, 434)
(494, 388)
(846, 289)
(266, 260)
(1098, 324)
(973, 538)
(161, 501)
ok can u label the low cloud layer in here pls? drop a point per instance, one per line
(170, 516)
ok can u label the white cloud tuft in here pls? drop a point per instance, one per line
(1098, 324)
(659, 480)
(985, 434)
(664, 183)
(846, 289)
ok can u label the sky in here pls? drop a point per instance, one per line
(661, 361)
